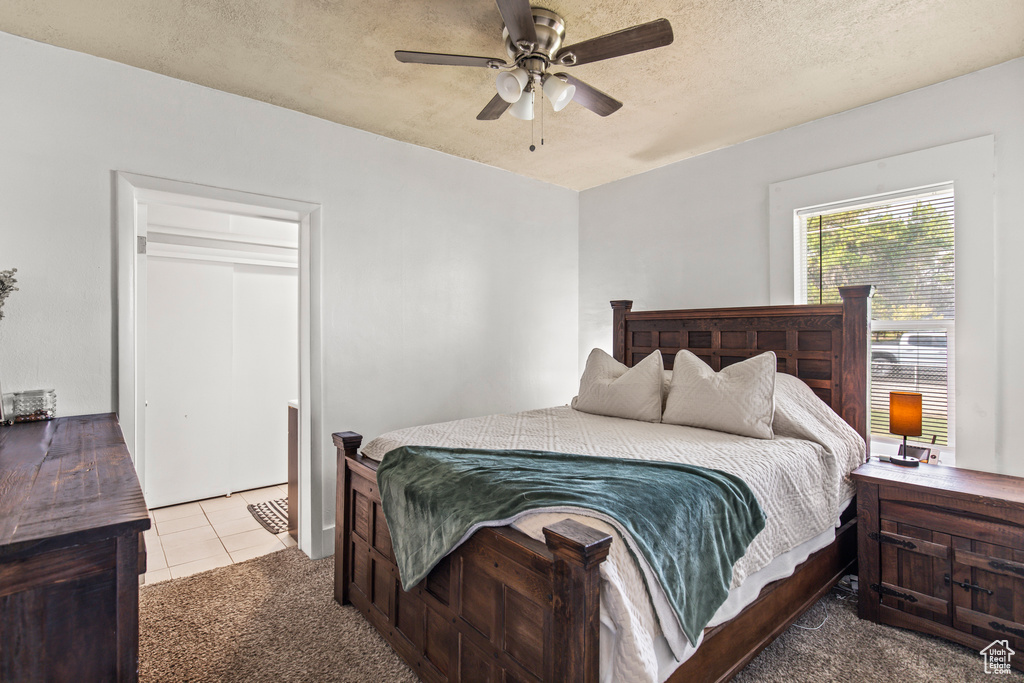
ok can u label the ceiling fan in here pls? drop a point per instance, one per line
(533, 39)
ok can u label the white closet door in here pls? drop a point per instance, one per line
(189, 371)
(265, 372)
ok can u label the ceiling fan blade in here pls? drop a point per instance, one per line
(590, 97)
(494, 109)
(446, 60)
(518, 18)
(657, 33)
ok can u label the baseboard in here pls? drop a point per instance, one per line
(326, 543)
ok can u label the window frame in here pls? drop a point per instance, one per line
(969, 165)
(802, 219)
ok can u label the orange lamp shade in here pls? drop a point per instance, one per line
(905, 413)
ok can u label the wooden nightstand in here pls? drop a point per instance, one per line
(941, 550)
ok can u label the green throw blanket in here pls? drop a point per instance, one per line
(689, 523)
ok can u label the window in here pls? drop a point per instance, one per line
(903, 244)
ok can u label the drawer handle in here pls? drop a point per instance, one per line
(875, 536)
(967, 586)
(1006, 567)
(885, 590)
(996, 626)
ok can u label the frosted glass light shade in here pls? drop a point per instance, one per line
(523, 109)
(558, 92)
(511, 83)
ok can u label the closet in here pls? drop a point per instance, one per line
(218, 347)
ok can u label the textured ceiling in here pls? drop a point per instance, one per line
(737, 69)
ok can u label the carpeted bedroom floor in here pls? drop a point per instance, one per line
(274, 619)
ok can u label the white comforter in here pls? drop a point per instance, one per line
(801, 479)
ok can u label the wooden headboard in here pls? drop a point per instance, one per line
(825, 346)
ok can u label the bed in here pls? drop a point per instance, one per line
(508, 607)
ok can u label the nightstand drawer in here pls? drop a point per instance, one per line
(950, 522)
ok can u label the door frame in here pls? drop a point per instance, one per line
(132, 191)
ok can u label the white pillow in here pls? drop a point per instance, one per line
(739, 400)
(610, 388)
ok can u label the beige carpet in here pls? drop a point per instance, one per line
(274, 619)
(269, 619)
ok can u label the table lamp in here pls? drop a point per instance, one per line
(905, 420)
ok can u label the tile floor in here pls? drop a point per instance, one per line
(193, 537)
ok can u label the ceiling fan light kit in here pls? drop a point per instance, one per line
(510, 84)
(523, 108)
(558, 92)
(533, 38)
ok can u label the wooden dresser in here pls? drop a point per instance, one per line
(71, 517)
(941, 550)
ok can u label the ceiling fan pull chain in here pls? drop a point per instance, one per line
(542, 117)
(533, 132)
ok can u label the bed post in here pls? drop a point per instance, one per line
(856, 358)
(579, 551)
(347, 444)
(619, 310)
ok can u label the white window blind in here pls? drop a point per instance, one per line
(903, 244)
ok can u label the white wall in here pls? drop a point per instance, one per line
(435, 303)
(696, 233)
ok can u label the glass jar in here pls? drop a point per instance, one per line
(37, 404)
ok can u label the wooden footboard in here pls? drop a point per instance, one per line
(503, 607)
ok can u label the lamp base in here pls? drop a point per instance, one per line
(904, 460)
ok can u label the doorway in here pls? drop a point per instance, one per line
(150, 252)
(217, 337)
